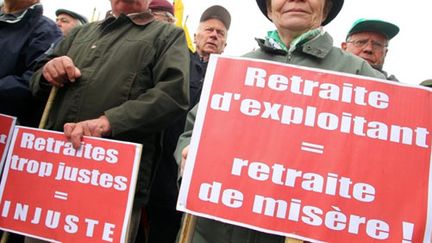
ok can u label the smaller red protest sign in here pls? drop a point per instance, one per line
(51, 191)
(7, 124)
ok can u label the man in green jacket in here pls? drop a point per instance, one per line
(124, 78)
(310, 47)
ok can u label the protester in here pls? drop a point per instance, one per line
(369, 39)
(298, 39)
(210, 38)
(67, 20)
(124, 78)
(25, 36)
(427, 83)
(163, 10)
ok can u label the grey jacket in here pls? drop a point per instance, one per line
(317, 53)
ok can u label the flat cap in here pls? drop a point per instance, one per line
(74, 15)
(217, 12)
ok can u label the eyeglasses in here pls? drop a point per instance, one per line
(376, 46)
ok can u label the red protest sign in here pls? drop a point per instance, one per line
(311, 154)
(51, 191)
(7, 124)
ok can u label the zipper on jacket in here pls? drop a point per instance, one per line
(289, 57)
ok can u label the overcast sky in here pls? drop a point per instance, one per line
(409, 51)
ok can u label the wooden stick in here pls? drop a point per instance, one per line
(187, 229)
(292, 240)
(5, 237)
(48, 106)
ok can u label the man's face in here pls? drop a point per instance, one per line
(210, 38)
(370, 46)
(66, 23)
(129, 6)
(296, 16)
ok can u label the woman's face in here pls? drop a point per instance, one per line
(297, 15)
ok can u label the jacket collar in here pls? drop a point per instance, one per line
(318, 47)
(16, 17)
(140, 19)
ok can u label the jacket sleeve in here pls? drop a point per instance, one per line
(185, 137)
(159, 106)
(367, 70)
(17, 86)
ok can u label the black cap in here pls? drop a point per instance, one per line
(336, 8)
(387, 29)
(74, 15)
(217, 12)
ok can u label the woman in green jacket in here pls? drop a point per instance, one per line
(299, 39)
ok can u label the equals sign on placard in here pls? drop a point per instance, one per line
(61, 195)
(313, 148)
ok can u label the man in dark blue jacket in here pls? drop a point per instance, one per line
(25, 36)
(210, 38)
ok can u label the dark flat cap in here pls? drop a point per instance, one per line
(74, 15)
(217, 12)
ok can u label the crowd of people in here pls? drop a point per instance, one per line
(131, 77)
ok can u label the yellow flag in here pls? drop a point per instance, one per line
(178, 12)
(188, 38)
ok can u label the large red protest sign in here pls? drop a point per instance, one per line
(311, 154)
(7, 124)
(51, 191)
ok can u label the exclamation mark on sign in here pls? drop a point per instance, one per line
(408, 230)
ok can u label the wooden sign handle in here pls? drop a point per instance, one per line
(187, 229)
(292, 240)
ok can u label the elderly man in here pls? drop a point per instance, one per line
(67, 20)
(25, 36)
(298, 39)
(210, 37)
(124, 78)
(369, 39)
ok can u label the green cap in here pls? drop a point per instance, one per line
(389, 30)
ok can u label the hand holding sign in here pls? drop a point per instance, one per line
(96, 128)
